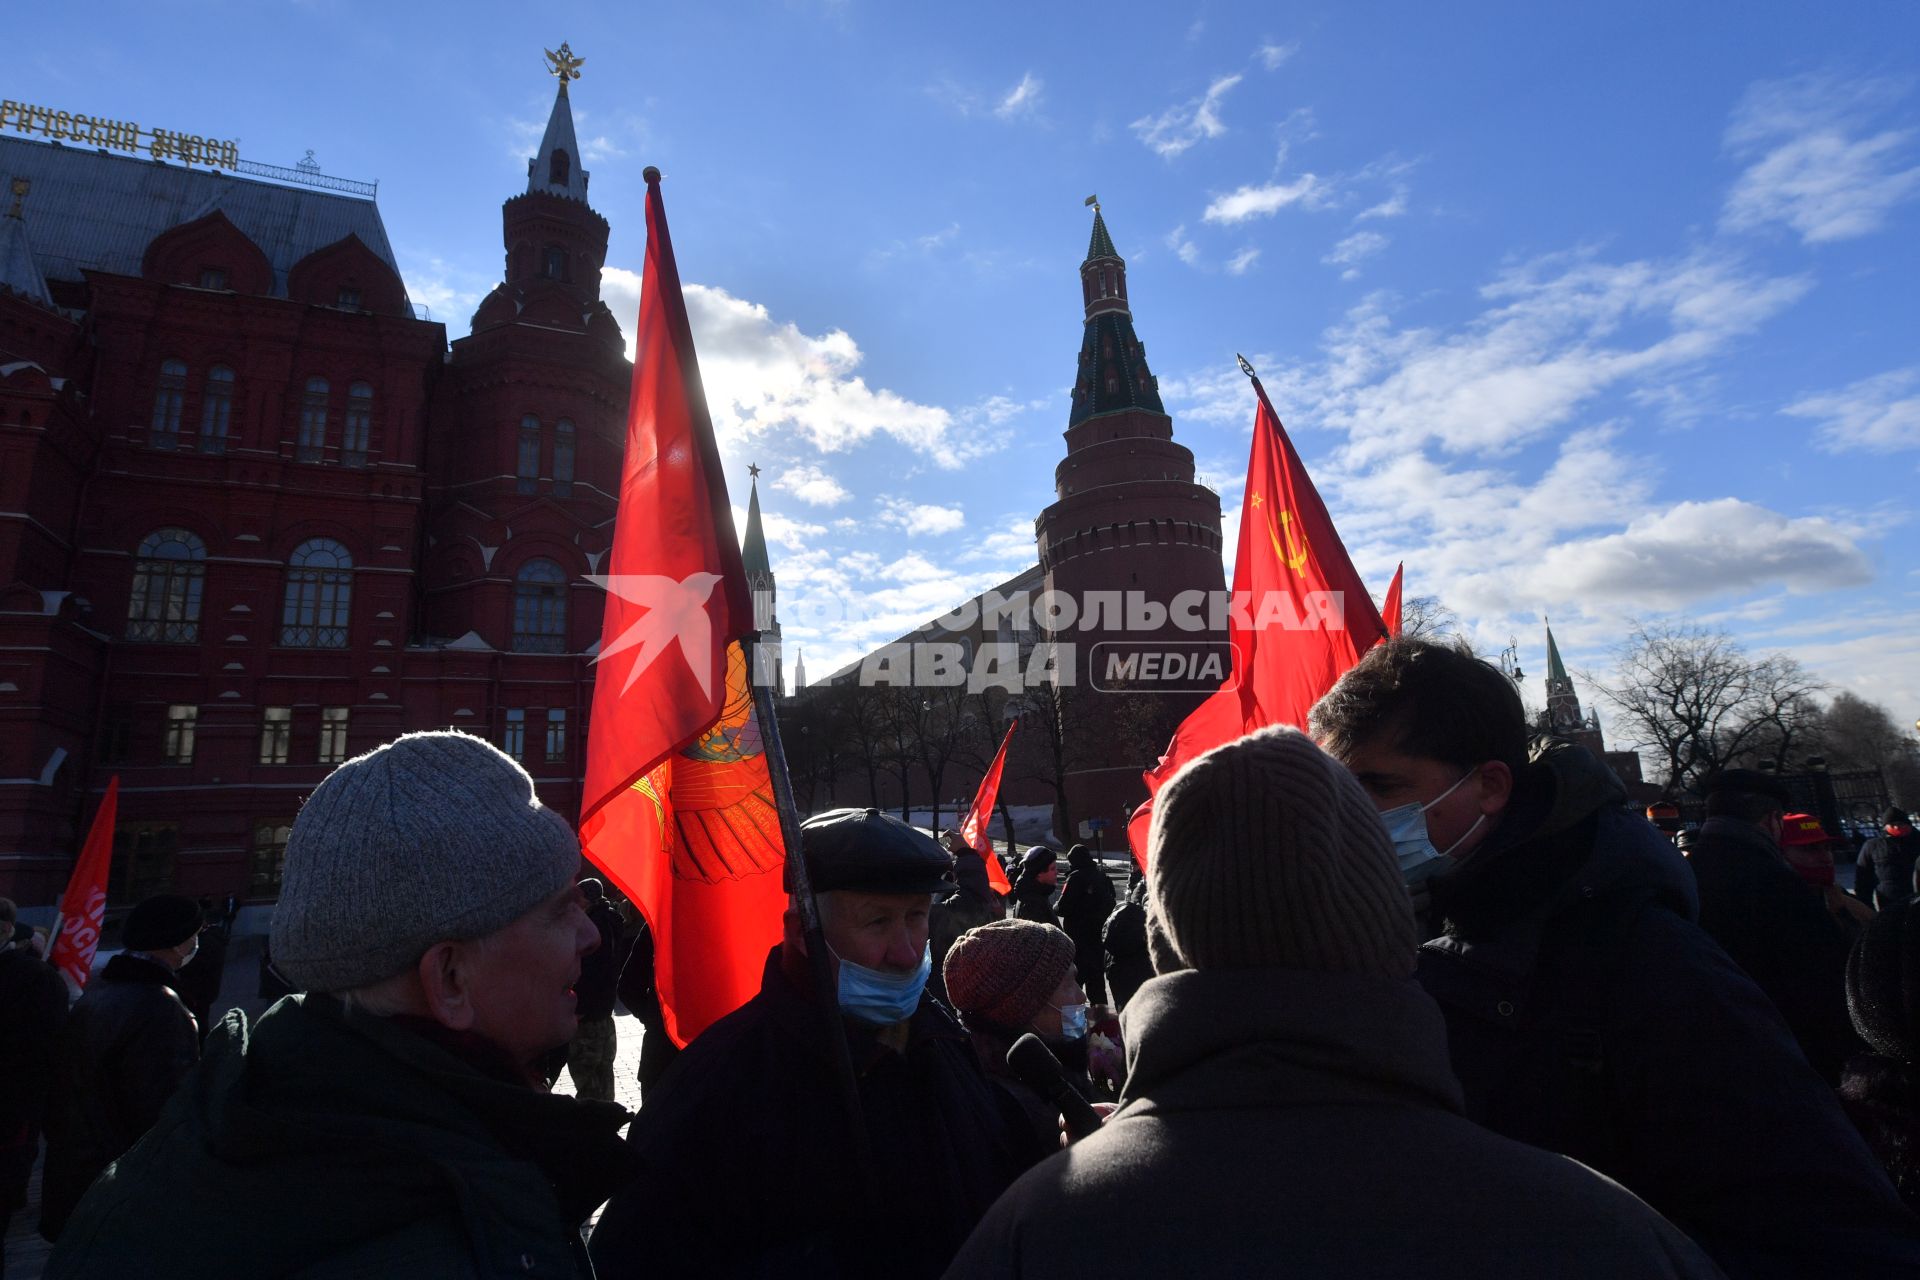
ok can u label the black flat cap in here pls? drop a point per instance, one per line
(872, 852)
(1750, 782)
(161, 922)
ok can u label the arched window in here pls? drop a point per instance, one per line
(562, 458)
(528, 468)
(555, 265)
(168, 571)
(358, 429)
(540, 608)
(216, 409)
(313, 422)
(319, 594)
(168, 396)
(559, 169)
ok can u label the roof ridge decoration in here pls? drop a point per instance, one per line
(18, 270)
(1101, 245)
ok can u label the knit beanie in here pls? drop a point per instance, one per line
(1266, 853)
(433, 837)
(1001, 974)
(1883, 983)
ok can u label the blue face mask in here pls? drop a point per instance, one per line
(1073, 1021)
(882, 998)
(1406, 826)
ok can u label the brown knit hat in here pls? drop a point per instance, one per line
(1266, 853)
(1001, 974)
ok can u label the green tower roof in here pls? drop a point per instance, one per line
(1102, 245)
(753, 548)
(1556, 670)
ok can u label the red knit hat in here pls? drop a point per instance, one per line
(1002, 973)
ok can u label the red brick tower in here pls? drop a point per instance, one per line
(1128, 522)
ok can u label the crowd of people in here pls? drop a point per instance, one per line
(1408, 993)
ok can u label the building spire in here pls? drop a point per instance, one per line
(1556, 670)
(753, 547)
(556, 169)
(1113, 373)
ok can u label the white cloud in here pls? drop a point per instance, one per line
(767, 378)
(811, 485)
(916, 519)
(1353, 250)
(1185, 249)
(1880, 414)
(451, 292)
(1392, 207)
(1272, 56)
(1814, 162)
(1180, 127)
(1023, 100)
(1699, 550)
(1242, 261)
(1269, 198)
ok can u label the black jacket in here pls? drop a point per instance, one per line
(1033, 900)
(1125, 938)
(1587, 1013)
(1086, 900)
(128, 1043)
(1892, 859)
(600, 968)
(33, 1005)
(327, 1142)
(1776, 927)
(1278, 1123)
(746, 1165)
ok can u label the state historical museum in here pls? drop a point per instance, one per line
(257, 517)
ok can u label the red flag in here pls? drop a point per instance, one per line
(1390, 611)
(678, 807)
(1308, 617)
(974, 829)
(83, 907)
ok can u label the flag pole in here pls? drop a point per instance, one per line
(825, 994)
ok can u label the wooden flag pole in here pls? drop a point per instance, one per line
(825, 992)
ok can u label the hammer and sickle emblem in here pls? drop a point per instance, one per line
(1295, 558)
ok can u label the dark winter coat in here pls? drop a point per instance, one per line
(1779, 930)
(1125, 939)
(334, 1143)
(33, 1005)
(127, 1045)
(642, 998)
(1086, 900)
(1278, 1123)
(1033, 900)
(747, 1167)
(1882, 1097)
(599, 968)
(1587, 1013)
(1892, 859)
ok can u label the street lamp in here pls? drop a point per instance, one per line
(1510, 661)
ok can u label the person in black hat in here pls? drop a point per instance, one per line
(1891, 857)
(749, 1163)
(1755, 905)
(1033, 888)
(127, 1045)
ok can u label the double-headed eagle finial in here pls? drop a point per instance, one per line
(564, 65)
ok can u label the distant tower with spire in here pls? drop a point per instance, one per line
(766, 594)
(799, 669)
(1128, 517)
(1564, 718)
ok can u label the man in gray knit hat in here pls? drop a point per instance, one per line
(1289, 1102)
(393, 1119)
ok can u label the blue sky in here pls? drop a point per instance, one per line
(1603, 314)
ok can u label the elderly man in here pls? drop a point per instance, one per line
(751, 1166)
(394, 1119)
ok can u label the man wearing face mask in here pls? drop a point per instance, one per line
(1012, 977)
(749, 1164)
(1587, 1012)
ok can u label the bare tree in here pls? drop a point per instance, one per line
(1697, 700)
(1425, 618)
(1050, 743)
(1858, 734)
(864, 724)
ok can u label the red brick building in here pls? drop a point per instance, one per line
(257, 517)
